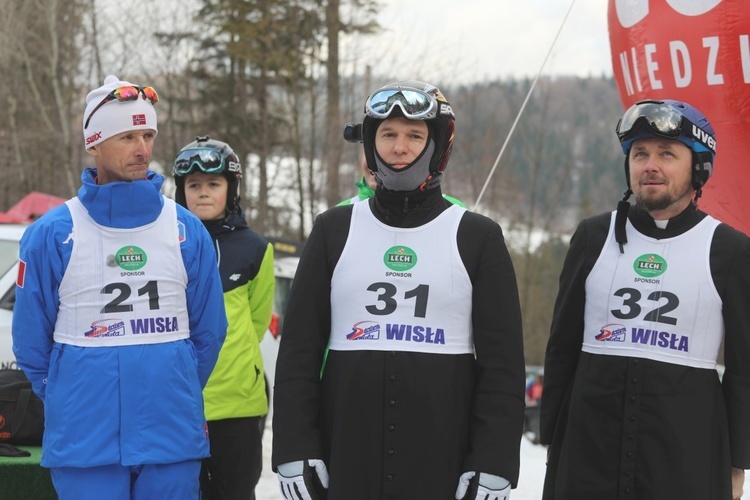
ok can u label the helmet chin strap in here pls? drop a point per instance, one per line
(426, 184)
(620, 218)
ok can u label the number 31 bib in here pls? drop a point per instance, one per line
(401, 289)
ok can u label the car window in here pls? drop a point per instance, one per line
(8, 255)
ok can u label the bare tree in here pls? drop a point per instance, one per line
(38, 63)
(332, 150)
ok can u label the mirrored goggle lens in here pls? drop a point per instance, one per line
(150, 94)
(130, 93)
(123, 94)
(208, 161)
(126, 93)
(413, 104)
(662, 118)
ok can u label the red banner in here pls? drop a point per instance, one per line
(697, 51)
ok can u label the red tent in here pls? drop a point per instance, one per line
(30, 208)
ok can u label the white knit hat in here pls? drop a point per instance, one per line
(115, 117)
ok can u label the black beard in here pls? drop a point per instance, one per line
(661, 203)
(654, 205)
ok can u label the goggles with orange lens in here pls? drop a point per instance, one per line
(123, 94)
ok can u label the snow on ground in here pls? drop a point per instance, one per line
(533, 459)
(529, 484)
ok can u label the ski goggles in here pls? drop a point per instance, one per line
(414, 104)
(123, 94)
(208, 161)
(663, 119)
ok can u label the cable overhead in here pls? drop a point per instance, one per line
(523, 106)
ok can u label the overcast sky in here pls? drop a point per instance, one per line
(457, 41)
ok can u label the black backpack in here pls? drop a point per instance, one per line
(21, 411)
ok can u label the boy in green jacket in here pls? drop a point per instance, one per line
(207, 176)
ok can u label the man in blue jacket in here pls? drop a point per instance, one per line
(119, 317)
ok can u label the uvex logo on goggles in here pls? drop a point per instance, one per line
(664, 120)
(415, 104)
(208, 161)
(126, 93)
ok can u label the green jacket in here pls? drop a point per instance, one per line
(236, 387)
(364, 191)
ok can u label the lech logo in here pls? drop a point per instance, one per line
(130, 258)
(650, 265)
(400, 258)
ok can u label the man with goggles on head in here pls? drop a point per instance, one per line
(119, 318)
(414, 300)
(207, 176)
(633, 406)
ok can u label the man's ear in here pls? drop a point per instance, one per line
(92, 151)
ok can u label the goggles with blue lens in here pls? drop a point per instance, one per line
(415, 105)
(663, 119)
(206, 160)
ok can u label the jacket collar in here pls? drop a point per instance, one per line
(680, 223)
(407, 208)
(120, 204)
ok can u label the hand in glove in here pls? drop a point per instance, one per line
(473, 486)
(303, 480)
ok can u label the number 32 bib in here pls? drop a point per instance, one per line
(657, 300)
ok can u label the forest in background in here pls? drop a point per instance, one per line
(278, 79)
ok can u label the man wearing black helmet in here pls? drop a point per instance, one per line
(633, 406)
(207, 176)
(422, 392)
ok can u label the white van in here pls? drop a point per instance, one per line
(10, 235)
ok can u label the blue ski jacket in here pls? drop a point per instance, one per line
(126, 405)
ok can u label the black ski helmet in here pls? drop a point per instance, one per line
(211, 157)
(674, 120)
(413, 100)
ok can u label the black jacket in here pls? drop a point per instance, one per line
(632, 428)
(402, 424)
